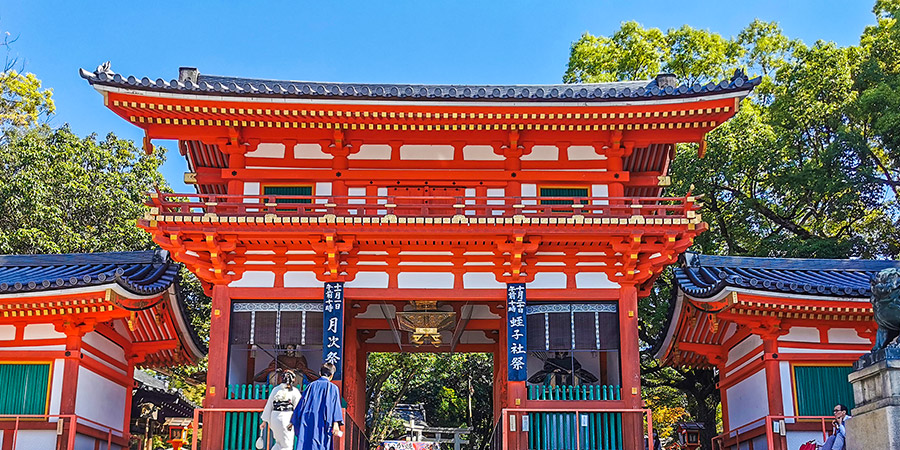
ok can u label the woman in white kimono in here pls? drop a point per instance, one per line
(278, 411)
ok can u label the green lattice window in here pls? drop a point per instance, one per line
(296, 191)
(24, 387)
(820, 388)
(563, 192)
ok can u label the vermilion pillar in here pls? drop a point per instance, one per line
(632, 429)
(216, 390)
(773, 382)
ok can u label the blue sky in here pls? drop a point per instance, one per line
(424, 41)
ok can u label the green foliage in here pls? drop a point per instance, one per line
(446, 384)
(809, 166)
(60, 193)
(22, 101)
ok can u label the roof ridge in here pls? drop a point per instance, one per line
(761, 262)
(70, 259)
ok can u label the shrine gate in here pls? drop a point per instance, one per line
(335, 219)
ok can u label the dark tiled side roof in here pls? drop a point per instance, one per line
(248, 87)
(141, 273)
(704, 276)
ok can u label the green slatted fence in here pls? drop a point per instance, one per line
(23, 389)
(820, 388)
(242, 428)
(583, 392)
(558, 431)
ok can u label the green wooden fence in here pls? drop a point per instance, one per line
(583, 392)
(242, 428)
(558, 431)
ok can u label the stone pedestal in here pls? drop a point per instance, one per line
(876, 391)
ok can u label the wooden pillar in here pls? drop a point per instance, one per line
(236, 161)
(216, 375)
(632, 428)
(71, 368)
(773, 382)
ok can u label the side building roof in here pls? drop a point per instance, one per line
(829, 290)
(707, 276)
(143, 282)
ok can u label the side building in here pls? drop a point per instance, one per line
(73, 328)
(783, 335)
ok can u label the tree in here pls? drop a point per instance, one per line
(800, 170)
(455, 389)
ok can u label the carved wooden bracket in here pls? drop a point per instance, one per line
(511, 250)
(335, 258)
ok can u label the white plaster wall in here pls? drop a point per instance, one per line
(83, 442)
(104, 345)
(747, 400)
(425, 280)
(787, 388)
(594, 280)
(583, 153)
(7, 332)
(251, 188)
(801, 334)
(846, 336)
(743, 348)
(474, 337)
(35, 440)
(322, 189)
(296, 279)
(600, 190)
(56, 383)
(427, 152)
(548, 280)
(252, 278)
(542, 153)
(42, 331)
(310, 151)
(267, 150)
(99, 399)
(372, 151)
(376, 280)
(480, 153)
(481, 280)
(529, 190)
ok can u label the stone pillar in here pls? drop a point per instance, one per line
(876, 391)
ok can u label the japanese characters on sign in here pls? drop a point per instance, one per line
(333, 339)
(515, 329)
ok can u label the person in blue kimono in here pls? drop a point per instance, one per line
(319, 414)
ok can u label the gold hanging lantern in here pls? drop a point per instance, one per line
(426, 323)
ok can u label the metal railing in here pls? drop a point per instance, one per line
(221, 205)
(773, 427)
(66, 427)
(570, 429)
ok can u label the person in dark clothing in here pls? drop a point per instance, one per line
(318, 417)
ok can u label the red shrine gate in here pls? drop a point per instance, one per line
(335, 219)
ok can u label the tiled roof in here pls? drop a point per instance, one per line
(141, 273)
(704, 276)
(191, 81)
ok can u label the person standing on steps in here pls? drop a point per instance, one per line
(318, 417)
(278, 412)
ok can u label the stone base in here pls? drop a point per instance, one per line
(876, 418)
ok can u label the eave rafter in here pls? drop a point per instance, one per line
(700, 115)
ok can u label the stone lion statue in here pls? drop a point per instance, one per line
(886, 306)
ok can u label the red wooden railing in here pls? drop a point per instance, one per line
(572, 434)
(199, 205)
(772, 426)
(66, 426)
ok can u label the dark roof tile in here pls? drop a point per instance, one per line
(642, 89)
(704, 276)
